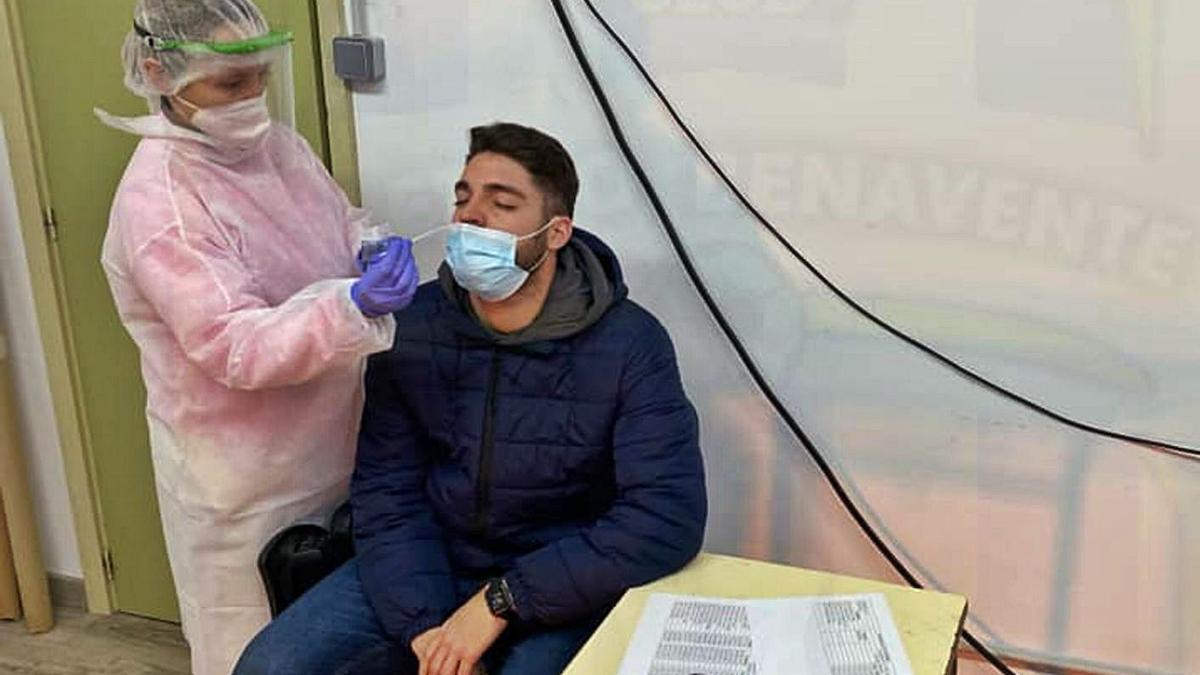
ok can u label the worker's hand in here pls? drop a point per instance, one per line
(456, 647)
(390, 280)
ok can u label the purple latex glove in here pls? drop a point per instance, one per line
(389, 281)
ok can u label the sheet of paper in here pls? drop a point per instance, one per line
(824, 635)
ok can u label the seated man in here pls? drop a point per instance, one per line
(527, 451)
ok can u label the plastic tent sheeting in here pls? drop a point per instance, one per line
(1008, 182)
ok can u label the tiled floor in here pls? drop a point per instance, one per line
(86, 643)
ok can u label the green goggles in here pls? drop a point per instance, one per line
(275, 38)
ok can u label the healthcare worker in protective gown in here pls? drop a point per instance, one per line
(233, 259)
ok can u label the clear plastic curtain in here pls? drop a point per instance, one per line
(1008, 182)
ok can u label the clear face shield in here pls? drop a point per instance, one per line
(236, 69)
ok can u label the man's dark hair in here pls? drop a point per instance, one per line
(543, 157)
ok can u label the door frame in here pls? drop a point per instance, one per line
(341, 131)
(18, 114)
(33, 199)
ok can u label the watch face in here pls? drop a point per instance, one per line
(497, 599)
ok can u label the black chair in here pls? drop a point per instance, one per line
(304, 554)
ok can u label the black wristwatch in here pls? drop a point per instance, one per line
(499, 599)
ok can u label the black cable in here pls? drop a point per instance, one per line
(743, 354)
(854, 304)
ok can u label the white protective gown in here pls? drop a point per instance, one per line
(232, 273)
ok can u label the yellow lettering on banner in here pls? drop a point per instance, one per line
(819, 185)
(1069, 222)
(1000, 210)
(948, 202)
(1161, 256)
(894, 199)
(771, 175)
(1121, 221)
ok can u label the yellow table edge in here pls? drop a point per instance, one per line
(929, 622)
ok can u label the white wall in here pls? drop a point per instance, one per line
(48, 479)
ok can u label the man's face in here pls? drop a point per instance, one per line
(497, 193)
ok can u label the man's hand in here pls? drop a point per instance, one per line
(420, 644)
(455, 647)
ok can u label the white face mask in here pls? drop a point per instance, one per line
(240, 126)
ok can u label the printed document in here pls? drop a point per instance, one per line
(818, 635)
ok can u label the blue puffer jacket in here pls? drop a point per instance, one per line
(569, 466)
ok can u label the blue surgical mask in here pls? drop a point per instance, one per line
(485, 261)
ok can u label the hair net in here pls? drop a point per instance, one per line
(160, 25)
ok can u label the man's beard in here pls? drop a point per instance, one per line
(529, 257)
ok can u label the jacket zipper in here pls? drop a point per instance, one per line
(483, 486)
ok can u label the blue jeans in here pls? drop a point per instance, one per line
(332, 630)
